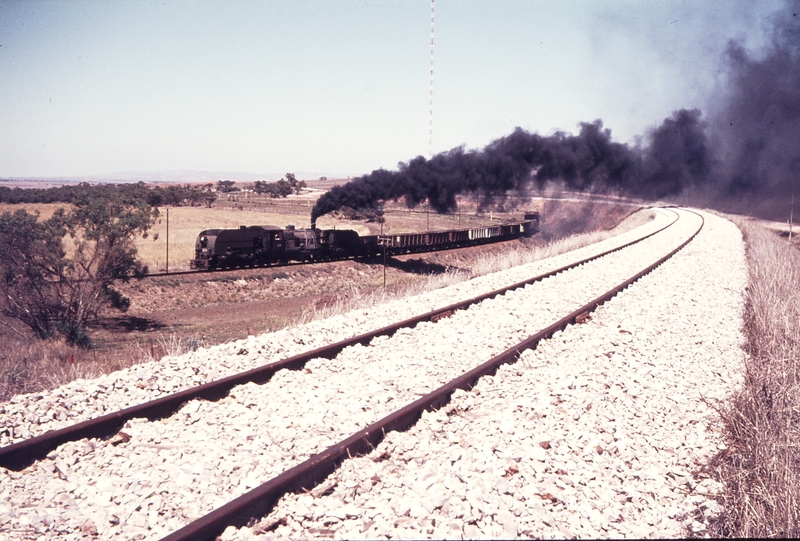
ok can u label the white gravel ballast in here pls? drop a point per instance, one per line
(172, 471)
(600, 432)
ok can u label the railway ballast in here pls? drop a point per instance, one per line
(209, 452)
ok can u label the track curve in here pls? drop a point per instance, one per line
(20, 455)
(257, 501)
(308, 474)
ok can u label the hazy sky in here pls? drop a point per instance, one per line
(93, 87)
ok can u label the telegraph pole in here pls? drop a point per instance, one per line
(167, 240)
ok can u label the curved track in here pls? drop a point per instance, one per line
(303, 476)
(20, 455)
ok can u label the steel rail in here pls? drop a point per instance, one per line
(259, 501)
(20, 455)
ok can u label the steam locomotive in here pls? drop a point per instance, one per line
(262, 246)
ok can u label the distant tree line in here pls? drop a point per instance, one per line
(186, 195)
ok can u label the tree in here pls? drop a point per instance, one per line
(296, 185)
(226, 186)
(32, 260)
(56, 291)
(281, 188)
(202, 198)
(260, 186)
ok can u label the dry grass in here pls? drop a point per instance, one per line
(30, 365)
(760, 468)
(27, 366)
(45, 210)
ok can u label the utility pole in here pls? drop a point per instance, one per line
(167, 240)
(791, 216)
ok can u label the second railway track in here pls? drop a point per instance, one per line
(222, 449)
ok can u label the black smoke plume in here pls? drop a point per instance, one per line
(676, 157)
(757, 128)
(745, 158)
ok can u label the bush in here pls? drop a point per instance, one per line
(56, 291)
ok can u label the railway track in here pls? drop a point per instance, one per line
(544, 303)
(21, 454)
(603, 431)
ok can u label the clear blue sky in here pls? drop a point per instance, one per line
(93, 87)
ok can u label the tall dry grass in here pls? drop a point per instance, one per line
(356, 298)
(30, 365)
(760, 468)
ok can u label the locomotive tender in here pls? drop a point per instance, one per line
(262, 246)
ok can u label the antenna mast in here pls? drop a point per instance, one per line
(430, 134)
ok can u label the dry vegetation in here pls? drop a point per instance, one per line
(45, 210)
(760, 467)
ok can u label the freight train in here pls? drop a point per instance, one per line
(266, 245)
